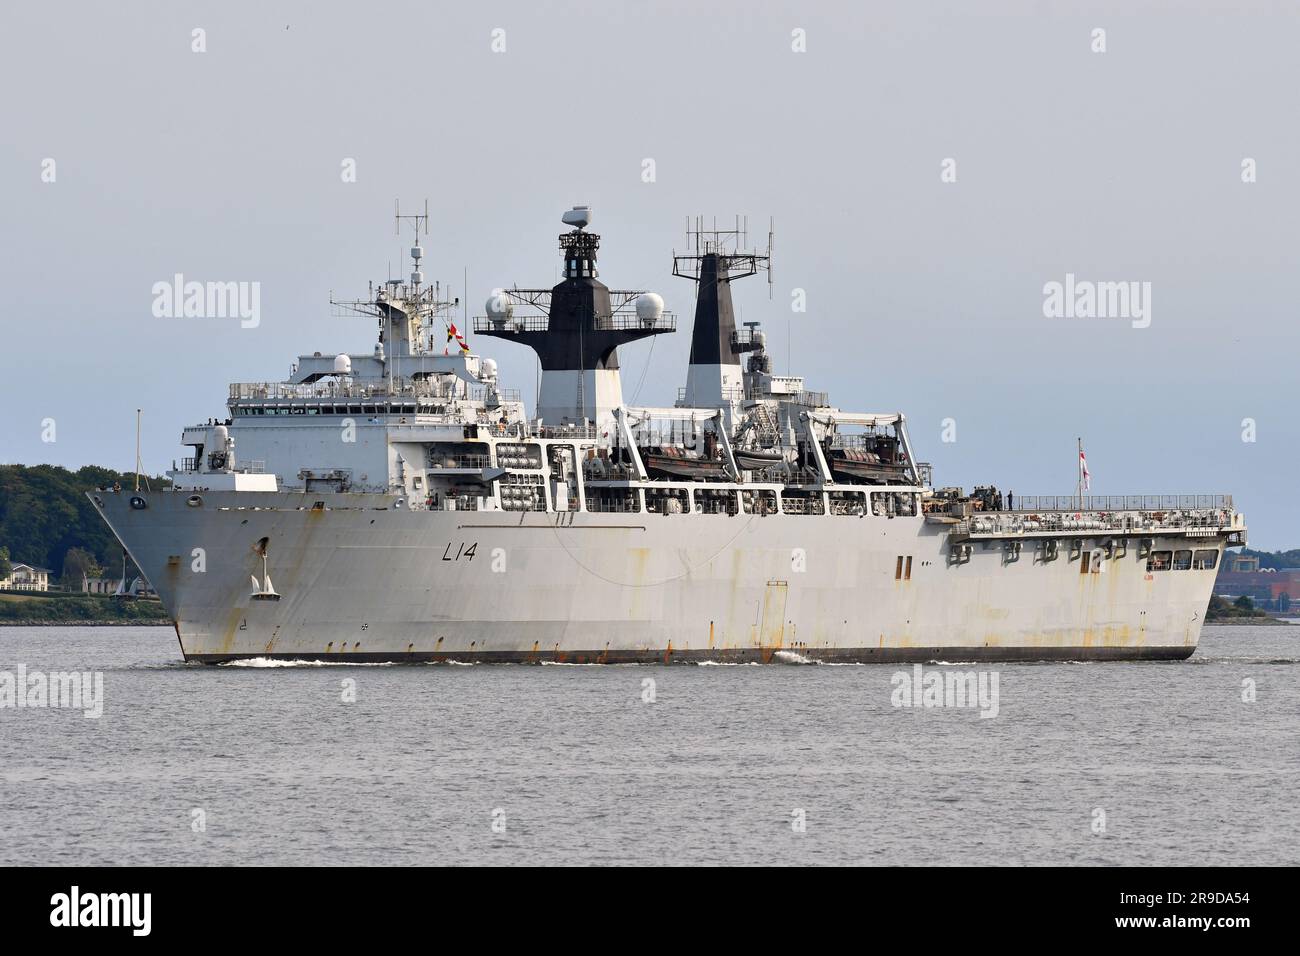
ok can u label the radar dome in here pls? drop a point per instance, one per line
(649, 307)
(499, 308)
(342, 365)
(488, 369)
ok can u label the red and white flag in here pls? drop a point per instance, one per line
(1085, 476)
(452, 333)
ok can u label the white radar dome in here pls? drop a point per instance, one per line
(342, 365)
(488, 369)
(649, 307)
(499, 308)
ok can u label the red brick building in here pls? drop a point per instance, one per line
(1240, 575)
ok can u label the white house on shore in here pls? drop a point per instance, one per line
(99, 584)
(24, 577)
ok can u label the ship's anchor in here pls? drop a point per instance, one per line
(263, 592)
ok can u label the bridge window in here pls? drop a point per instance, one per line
(1205, 560)
(1159, 561)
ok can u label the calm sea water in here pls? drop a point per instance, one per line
(574, 767)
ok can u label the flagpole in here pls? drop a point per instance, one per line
(137, 449)
(1078, 485)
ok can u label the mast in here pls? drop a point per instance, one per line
(406, 310)
(576, 329)
(714, 258)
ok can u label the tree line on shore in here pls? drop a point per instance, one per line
(47, 521)
(1272, 560)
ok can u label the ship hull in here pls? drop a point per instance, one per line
(363, 581)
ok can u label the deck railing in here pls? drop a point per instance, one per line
(617, 322)
(1103, 503)
(1082, 521)
(401, 387)
(560, 431)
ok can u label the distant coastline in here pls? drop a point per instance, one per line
(50, 609)
(122, 622)
(1263, 621)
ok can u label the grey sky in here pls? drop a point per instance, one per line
(922, 296)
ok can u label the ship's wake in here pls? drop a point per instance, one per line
(284, 662)
(792, 657)
(728, 664)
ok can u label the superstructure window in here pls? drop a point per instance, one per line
(711, 502)
(891, 503)
(524, 456)
(667, 501)
(803, 503)
(1160, 560)
(613, 499)
(1182, 560)
(848, 503)
(1205, 560)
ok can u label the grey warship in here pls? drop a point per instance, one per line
(410, 510)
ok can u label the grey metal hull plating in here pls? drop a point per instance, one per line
(362, 581)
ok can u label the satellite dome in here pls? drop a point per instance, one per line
(649, 307)
(499, 308)
(342, 365)
(488, 370)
